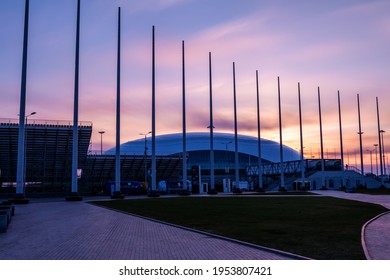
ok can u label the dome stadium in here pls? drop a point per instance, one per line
(198, 153)
(198, 147)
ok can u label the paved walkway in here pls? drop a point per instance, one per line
(52, 230)
(376, 235)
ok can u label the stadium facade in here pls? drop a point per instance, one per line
(49, 155)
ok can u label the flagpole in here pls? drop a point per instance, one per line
(211, 129)
(282, 187)
(301, 136)
(20, 183)
(237, 171)
(259, 162)
(118, 109)
(341, 143)
(184, 121)
(323, 183)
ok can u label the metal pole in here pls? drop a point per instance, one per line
(118, 108)
(236, 163)
(383, 153)
(145, 164)
(321, 142)
(301, 136)
(211, 128)
(376, 158)
(280, 139)
(341, 142)
(259, 163)
(370, 151)
(25, 148)
(360, 138)
(184, 121)
(380, 143)
(22, 110)
(145, 155)
(75, 142)
(153, 171)
(101, 142)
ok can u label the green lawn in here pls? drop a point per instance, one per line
(315, 227)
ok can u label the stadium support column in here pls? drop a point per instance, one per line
(184, 121)
(259, 163)
(211, 128)
(75, 142)
(237, 171)
(341, 143)
(118, 110)
(301, 136)
(153, 171)
(22, 112)
(360, 139)
(380, 143)
(280, 139)
(321, 141)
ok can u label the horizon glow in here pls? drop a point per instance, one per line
(337, 45)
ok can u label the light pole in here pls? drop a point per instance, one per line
(370, 151)
(226, 158)
(101, 141)
(145, 154)
(383, 152)
(376, 158)
(25, 151)
(226, 154)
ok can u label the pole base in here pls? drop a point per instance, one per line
(19, 199)
(213, 191)
(117, 195)
(184, 192)
(153, 194)
(74, 196)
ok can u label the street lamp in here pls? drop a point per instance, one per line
(376, 158)
(25, 150)
(226, 155)
(370, 151)
(101, 141)
(145, 154)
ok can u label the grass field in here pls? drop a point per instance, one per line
(315, 227)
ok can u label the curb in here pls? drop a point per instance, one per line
(247, 244)
(363, 234)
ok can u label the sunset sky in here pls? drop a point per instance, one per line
(336, 45)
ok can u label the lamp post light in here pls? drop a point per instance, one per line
(226, 156)
(376, 158)
(370, 151)
(145, 154)
(101, 141)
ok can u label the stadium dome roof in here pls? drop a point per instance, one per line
(170, 144)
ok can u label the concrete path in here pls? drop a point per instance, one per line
(52, 230)
(376, 233)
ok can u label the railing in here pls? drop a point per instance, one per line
(292, 167)
(15, 122)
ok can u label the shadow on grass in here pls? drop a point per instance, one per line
(316, 227)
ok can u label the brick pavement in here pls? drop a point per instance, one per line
(80, 231)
